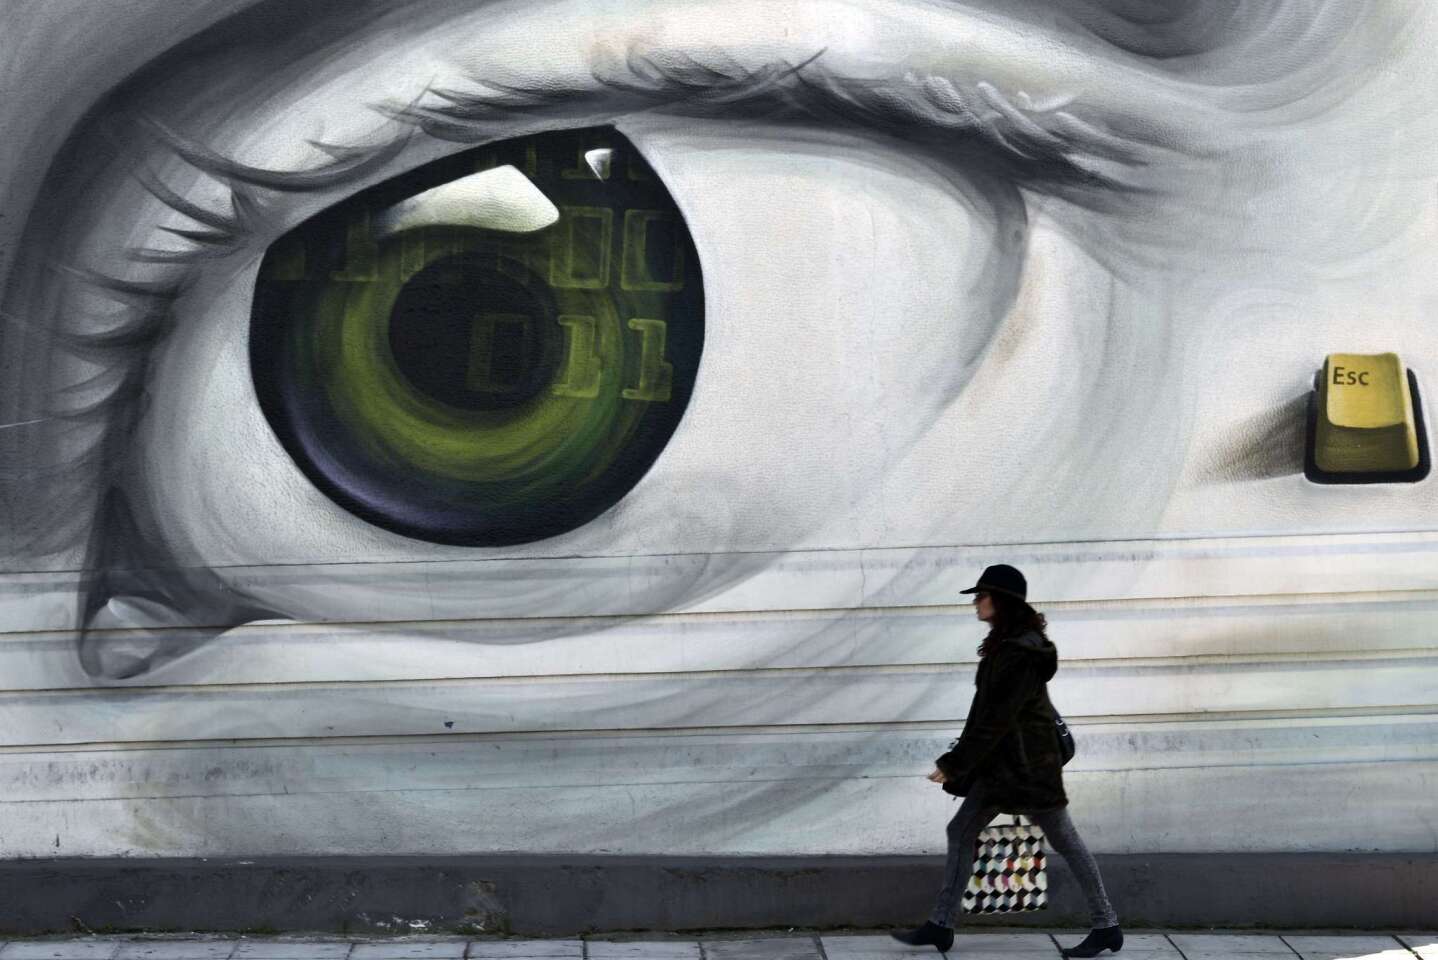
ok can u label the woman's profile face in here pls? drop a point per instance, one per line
(983, 606)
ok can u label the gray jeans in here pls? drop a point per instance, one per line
(974, 814)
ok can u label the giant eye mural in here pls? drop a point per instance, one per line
(364, 406)
(488, 350)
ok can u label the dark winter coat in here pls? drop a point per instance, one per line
(1010, 743)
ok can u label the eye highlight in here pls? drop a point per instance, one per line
(447, 359)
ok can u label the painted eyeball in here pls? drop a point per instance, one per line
(491, 349)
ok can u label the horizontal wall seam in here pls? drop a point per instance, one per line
(731, 782)
(1420, 655)
(1214, 605)
(1382, 539)
(1399, 713)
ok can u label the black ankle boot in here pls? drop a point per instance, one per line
(929, 933)
(1107, 938)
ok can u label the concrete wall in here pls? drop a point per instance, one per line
(920, 359)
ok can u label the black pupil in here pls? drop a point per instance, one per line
(471, 332)
(662, 239)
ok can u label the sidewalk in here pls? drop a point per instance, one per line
(745, 945)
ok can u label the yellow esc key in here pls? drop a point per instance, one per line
(1367, 425)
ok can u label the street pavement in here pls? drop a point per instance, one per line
(746, 945)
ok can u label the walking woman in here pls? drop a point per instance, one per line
(1008, 761)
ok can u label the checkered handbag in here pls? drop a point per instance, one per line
(1009, 873)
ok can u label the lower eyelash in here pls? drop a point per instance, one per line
(117, 343)
(145, 308)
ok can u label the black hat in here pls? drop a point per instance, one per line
(1001, 578)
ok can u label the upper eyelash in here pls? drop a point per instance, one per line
(1045, 147)
(1050, 148)
(346, 162)
(226, 231)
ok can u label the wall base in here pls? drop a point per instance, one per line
(567, 895)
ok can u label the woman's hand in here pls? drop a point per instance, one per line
(938, 776)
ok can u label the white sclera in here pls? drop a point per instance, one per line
(498, 199)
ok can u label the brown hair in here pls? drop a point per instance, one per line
(1012, 617)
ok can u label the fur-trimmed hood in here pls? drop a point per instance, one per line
(1034, 645)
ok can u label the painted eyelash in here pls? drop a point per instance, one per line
(1042, 145)
(346, 163)
(118, 343)
(1045, 146)
(148, 304)
(225, 232)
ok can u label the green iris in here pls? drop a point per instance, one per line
(464, 384)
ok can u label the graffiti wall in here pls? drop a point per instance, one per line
(564, 426)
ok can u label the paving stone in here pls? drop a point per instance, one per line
(504, 949)
(643, 949)
(1423, 944)
(1040, 953)
(1151, 946)
(970, 946)
(61, 950)
(866, 946)
(292, 950)
(855, 942)
(773, 948)
(1036, 952)
(417, 949)
(1004, 943)
(175, 950)
(425, 949)
(1210, 945)
(1362, 947)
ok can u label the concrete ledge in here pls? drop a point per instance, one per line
(556, 895)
